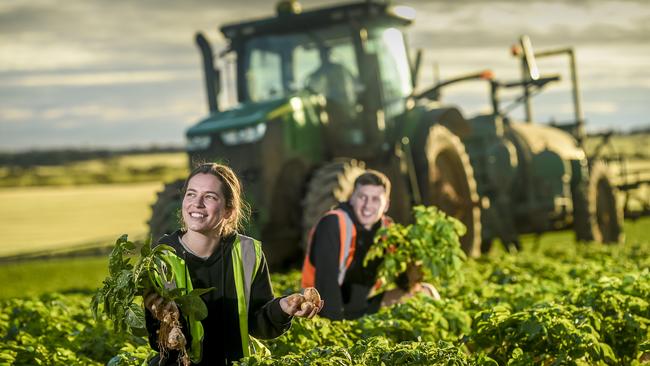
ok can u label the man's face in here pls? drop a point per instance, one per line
(369, 203)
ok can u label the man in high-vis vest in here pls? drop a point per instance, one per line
(339, 243)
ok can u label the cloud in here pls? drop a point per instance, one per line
(493, 23)
(106, 72)
(15, 114)
(99, 78)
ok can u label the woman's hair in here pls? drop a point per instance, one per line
(232, 193)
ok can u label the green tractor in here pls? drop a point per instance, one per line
(324, 93)
(536, 178)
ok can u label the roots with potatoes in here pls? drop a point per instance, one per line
(170, 334)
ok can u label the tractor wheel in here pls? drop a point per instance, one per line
(603, 222)
(446, 180)
(330, 184)
(165, 211)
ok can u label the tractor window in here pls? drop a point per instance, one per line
(329, 68)
(388, 45)
(278, 65)
(264, 77)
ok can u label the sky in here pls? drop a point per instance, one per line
(121, 74)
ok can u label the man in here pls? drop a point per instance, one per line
(338, 246)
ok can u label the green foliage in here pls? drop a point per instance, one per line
(57, 330)
(432, 242)
(549, 332)
(556, 303)
(126, 282)
(374, 351)
(35, 278)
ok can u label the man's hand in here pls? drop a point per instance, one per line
(425, 288)
(399, 296)
(298, 305)
(392, 297)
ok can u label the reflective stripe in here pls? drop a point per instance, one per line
(347, 226)
(246, 259)
(182, 280)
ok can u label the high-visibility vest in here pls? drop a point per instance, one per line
(347, 247)
(246, 259)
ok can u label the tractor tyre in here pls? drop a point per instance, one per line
(598, 216)
(330, 184)
(165, 212)
(446, 180)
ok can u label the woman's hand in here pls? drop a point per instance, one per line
(304, 306)
(158, 306)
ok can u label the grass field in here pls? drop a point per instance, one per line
(51, 218)
(37, 277)
(154, 167)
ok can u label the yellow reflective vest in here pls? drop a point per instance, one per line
(246, 259)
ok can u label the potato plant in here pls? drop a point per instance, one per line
(432, 243)
(127, 282)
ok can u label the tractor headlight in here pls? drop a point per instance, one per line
(245, 135)
(195, 143)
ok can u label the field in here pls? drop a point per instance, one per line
(118, 169)
(80, 203)
(56, 218)
(554, 303)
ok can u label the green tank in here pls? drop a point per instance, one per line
(322, 94)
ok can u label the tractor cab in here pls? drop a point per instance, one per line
(352, 56)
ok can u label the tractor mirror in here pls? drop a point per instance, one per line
(415, 68)
(529, 57)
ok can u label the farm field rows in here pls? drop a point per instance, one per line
(556, 302)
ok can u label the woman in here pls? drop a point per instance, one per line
(215, 255)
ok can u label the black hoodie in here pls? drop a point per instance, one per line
(222, 340)
(350, 300)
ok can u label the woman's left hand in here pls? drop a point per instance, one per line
(297, 305)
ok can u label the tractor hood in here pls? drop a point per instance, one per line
(241, 116)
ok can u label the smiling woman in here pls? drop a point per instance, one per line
(52, 218)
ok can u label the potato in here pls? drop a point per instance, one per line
(176, 339)
(295, 300)
(307, 306)
(312, 295)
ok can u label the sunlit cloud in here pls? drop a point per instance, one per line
(600, 107)
(15, 115)
(15, 56)
(116, 114)
(98, 79)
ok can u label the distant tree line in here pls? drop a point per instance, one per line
(54, 157)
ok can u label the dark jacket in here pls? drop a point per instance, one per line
(350, 300)
(222, 340)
